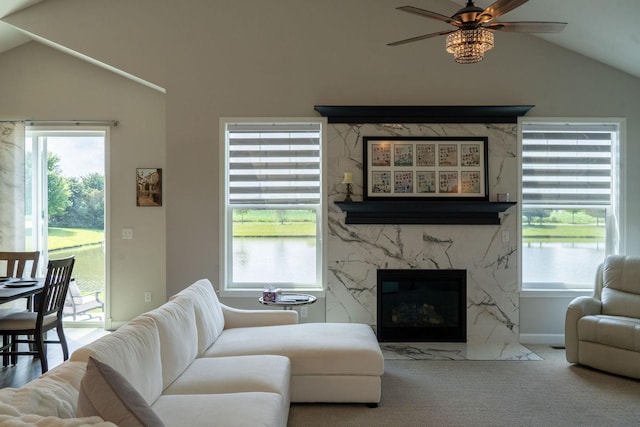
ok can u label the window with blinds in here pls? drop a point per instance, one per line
(570, 221)
(273, 205)
(274, 164)
(567, 166)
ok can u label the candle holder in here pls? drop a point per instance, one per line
(348, 196)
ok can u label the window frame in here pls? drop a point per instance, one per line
(618, 203)
(226, 222)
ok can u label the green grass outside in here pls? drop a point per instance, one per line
(271, 229)
(63, 238)
(273, 223)
(267, 215)
(565, 233)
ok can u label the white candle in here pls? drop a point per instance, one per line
(348, 178)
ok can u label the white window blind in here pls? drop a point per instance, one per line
(567, 165)
(274, 164)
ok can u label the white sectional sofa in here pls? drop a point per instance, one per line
(194, 360)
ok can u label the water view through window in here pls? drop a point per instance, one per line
(282, 260)
(562, 249)
(274, 246)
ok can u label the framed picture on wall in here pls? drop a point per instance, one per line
(148, 187)
(425, 168)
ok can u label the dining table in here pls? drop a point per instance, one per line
(16, 288)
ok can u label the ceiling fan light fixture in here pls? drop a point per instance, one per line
(469, 45)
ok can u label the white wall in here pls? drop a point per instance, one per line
(280, 58)
(542, 318)
(39, 83)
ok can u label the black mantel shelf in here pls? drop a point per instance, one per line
(424, 212)
(422, 113)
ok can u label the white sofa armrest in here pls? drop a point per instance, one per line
(238, 318)
(578, 308)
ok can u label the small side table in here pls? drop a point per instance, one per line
(288, 301)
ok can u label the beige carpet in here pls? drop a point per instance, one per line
(550, 392)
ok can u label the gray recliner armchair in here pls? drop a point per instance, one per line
(603, 331)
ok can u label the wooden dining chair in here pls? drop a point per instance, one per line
(33, 325)
(16, 263)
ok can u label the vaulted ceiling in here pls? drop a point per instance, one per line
(9, 36)
(602, 30)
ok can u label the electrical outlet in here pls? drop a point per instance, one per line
(147, 296)
(127, 233)
(505, 236)
(304, 311)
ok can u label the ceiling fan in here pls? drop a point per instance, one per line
(474, 33)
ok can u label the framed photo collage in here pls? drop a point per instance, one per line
(425, 167)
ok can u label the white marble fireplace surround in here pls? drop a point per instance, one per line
(356, 252)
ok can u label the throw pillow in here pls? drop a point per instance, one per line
(106, 393)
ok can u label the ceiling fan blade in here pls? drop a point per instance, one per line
(527, 27)
(499, 8)
(415, 39)
(429, 14)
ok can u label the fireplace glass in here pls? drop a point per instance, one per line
(422, 305)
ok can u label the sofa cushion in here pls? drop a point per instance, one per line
(622, 273)
(107, 394)
(208, 311)
(47, 401)
(42, 398)
(176, 325)
(228, 410)
(53, 394)
(134, 351)
(313, 348)
(31, 420)
(614, 331)
(620, 294)
(234, 374)
(620, 303)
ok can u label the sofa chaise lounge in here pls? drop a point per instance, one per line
(194, 360)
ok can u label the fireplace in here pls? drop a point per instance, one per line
(422, 305)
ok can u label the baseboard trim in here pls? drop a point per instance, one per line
(548, 339)
(111, 325)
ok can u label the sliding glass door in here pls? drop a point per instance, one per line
(65, 209)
